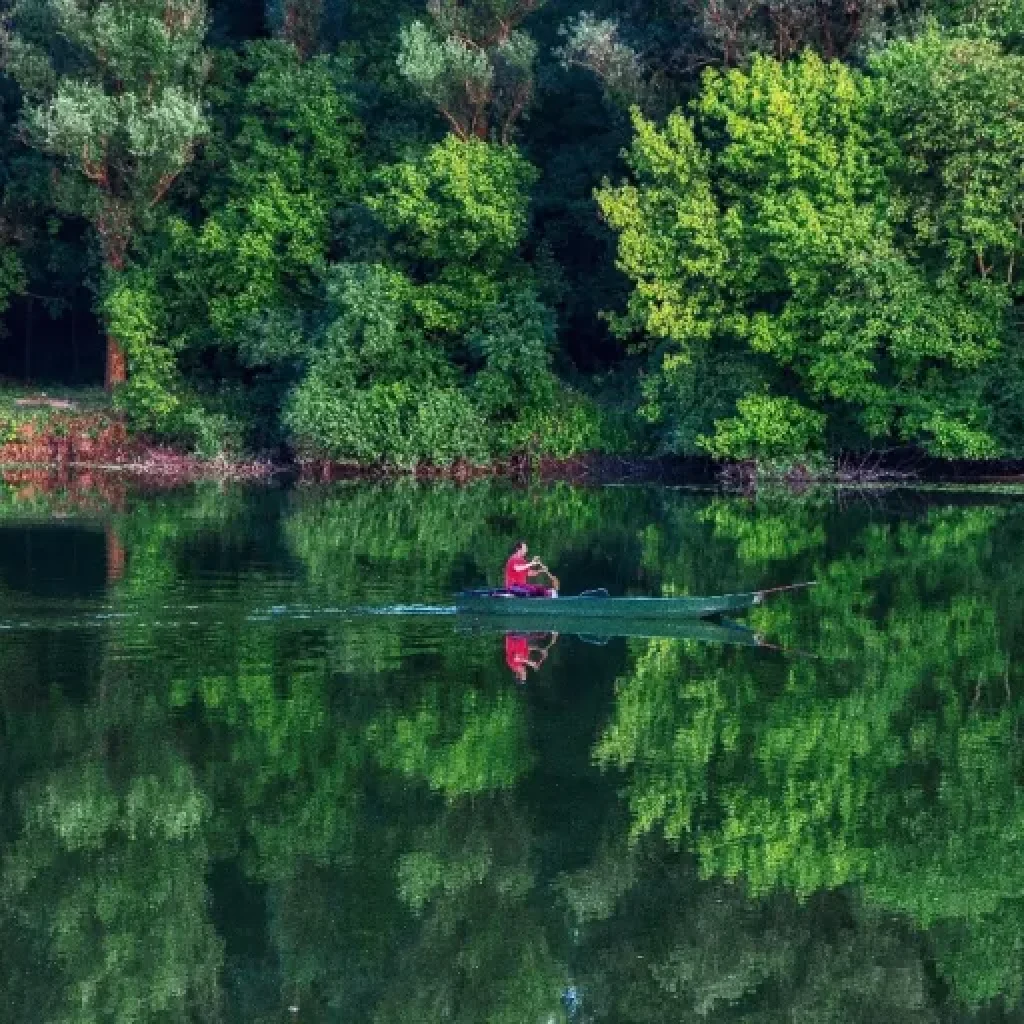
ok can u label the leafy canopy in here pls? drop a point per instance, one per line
(770, 225)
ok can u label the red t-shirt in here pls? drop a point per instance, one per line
(517, 651)
(514, 576)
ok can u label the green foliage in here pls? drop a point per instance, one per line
(446, 353)
(822, 208)
(669, 236)
(118, 104)
(118, 107)
(952, 105)
(236, 288)
(376, 391)
(473, 64)
(285, 161)
(689, 395)
(156, 399)
(995, 19)
(12, 275)
(398, 424)
(767, 428)
(462, 203)
(783, 233)
(374, 332)
(133, 312)
(570, 424)
(514, 345)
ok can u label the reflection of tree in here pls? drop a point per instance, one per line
(770, 529)
(712, 954)
(953, 860)
(106, 877)
(459, 741)
(405, 877)
(889, 762)
(328, 795)
(393, 833)
(113, 886)
(482, 952)
(428, 540)
(288, 769)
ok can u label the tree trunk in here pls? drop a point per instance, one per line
(117, 364)
(301, 25)
(115, 555)
(114, 227)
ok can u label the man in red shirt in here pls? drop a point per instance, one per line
(518, 571)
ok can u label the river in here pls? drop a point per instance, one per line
(242, 782)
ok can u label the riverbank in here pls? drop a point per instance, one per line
(81, 432)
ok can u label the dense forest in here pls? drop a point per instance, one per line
(412, 231)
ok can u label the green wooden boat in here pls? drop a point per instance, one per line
(598, 605)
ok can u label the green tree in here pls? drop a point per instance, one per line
(285, 161)
(768, 230)
(16, 225)
(426, 353)
(238, 289)
(474, 64)
(117, 105)
(954, 109)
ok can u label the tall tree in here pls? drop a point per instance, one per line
(652, 51)
(474, 64)
(768, 231)
(112, 92)
(298, 22)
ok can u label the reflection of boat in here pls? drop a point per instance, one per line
(596, 605)
(606, 628)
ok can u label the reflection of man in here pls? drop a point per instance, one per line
(522, 653)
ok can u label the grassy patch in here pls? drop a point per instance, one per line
(24, 406)
(87, 400)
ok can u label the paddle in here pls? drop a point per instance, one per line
(791, 586)
(550, 575)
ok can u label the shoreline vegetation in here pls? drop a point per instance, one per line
(68, 437)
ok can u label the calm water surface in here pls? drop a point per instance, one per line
(228, 793)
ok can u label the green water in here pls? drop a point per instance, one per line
(229, 794)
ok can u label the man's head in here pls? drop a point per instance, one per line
(520, 548)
